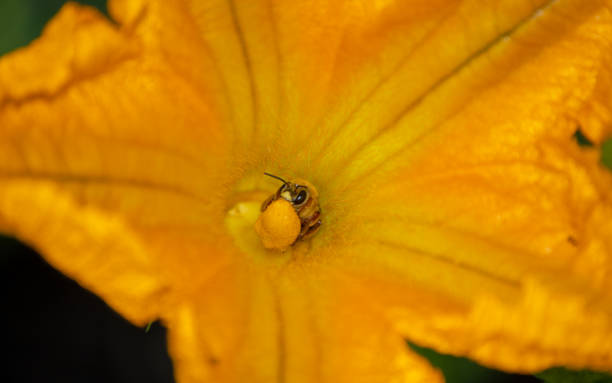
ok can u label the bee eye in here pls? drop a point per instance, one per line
(301, 198)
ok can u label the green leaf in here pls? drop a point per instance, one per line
(581, 139)
(562, 375)
(462, 370)
(22, 20)
(606, 153)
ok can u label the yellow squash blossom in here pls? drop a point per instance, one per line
(457, 212)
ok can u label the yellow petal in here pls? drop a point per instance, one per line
(288, 327)
(595, 118)
(482, 202)
(86, 244)
(84, 120)
(287, 64)
(457, 210)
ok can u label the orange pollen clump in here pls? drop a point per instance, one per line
(278, 226)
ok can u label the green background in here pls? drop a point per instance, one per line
(20, 22)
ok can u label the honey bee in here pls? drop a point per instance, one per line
(304, 199)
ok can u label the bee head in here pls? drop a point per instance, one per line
(292, 192)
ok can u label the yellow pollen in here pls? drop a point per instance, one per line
(278, 226)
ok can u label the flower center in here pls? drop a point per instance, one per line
(282, 221)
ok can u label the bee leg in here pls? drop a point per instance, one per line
(308, 231)
(267, 202)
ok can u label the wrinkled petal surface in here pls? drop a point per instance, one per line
(96, 171)
(457, 210)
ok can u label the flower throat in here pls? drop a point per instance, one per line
(289, 215)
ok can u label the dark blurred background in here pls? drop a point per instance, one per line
(55, 331)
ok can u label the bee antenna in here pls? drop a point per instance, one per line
(277, 177)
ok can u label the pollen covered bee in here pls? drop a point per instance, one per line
(297, 222)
